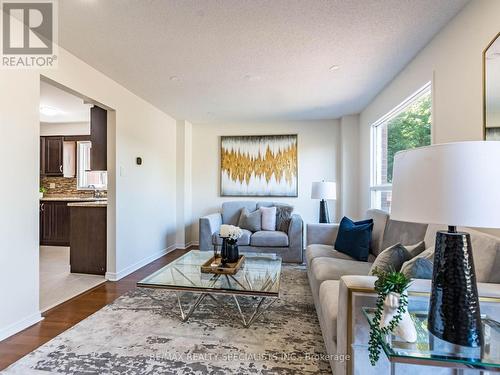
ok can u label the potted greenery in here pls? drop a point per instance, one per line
(42, 191)
(391, 311)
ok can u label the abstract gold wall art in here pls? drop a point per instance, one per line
(262, 165)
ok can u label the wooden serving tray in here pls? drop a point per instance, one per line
(229, 269)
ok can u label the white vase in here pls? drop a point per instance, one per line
(405, 329)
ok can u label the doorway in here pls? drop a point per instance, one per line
(73, 193)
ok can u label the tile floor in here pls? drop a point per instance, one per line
(57, 284)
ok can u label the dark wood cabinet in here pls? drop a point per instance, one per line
(54, 223)
(99, 138)
(88, 240)
(42, 156)
(51, 156)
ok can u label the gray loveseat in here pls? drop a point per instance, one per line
(340, 287)
(288, 245)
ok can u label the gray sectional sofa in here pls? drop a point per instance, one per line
(340, 287)
(289, 245)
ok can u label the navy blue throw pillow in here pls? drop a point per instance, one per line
(354, 238)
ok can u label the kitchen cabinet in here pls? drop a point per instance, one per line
(54, 223)
(98, 138)
(88, 239)
(42, 156)
(51, 156)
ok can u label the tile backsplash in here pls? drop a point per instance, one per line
(64, 186)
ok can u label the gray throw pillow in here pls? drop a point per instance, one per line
(391, 259)
(418, 268)
(251, 221)
(283, 217)
(416, 249)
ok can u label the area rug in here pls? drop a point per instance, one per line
(138, 334)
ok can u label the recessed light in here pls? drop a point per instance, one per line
(174, 78)
(334, 67)
(49, 111)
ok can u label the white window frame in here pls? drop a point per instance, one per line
(376, 188)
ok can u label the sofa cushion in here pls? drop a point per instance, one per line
(403, 232)
(250, 220)
(416, 249)
(328, 300)
(231, 210)
(354, 238)
(379, 221)
(322, 269)
(319, 251)
(485, 251)
(391, 258)
(244, 240)
(269, 239)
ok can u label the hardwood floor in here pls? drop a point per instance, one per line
(69, 313)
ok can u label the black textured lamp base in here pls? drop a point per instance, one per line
(454, 314)
(324, 218)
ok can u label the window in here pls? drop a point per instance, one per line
(87, 179)
(405, 127)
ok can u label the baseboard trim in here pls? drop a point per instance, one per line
(186, 245)
(20, 325)
(115, 276)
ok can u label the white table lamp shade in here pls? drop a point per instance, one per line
(324, 190)
(453, 184)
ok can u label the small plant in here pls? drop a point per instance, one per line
(387, 282)
(43, 190)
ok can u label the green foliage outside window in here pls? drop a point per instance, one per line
(410, 129)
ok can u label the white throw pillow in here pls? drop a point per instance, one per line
(268, 218)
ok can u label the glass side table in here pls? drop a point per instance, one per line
(424, 352)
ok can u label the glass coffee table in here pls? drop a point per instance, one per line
(258, 278)
(428, 350)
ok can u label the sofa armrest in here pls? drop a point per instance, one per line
(296, 234)
(322, 234)
(209, 225)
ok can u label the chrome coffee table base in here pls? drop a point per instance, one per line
(264, 303)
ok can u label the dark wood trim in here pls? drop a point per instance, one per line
(77, 138)
(66, 315)
(99, 138)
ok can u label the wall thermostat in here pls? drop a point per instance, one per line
(138, 161)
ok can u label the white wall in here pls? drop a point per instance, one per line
(19, 132)
(318, 152)
(66, 128)
(144, 196)
(349, 166)
(184, 184)
(453, 62)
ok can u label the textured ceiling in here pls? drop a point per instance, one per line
(251, 60)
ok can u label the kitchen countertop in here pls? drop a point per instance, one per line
(89, 204)
(71, 199)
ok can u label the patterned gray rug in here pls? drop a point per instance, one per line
(138, 335)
